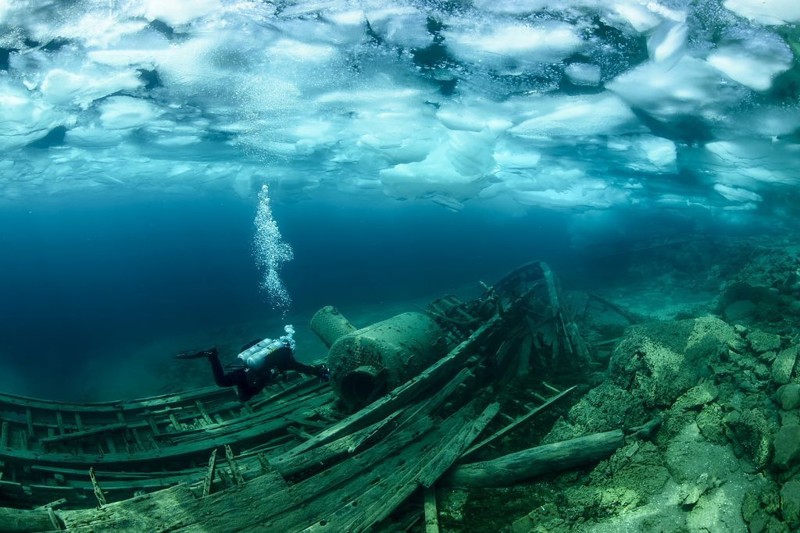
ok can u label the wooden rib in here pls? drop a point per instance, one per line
(524, 418)
(202, 410)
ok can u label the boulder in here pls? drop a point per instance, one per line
(751, 433)
(787, 446)
(790, 503)
(659, 361)
(783, 365)
(761, 341)
(788, 396)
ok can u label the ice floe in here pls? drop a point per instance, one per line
(582, 104)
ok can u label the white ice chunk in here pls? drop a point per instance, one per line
(517, 159)
(401, 25)
(24, 120)
(572, 116)
(456, 168)
(177, 13)
(96, 29)
(637, 15)
(668, 41)
(585, 193)
(494, 44)
(513, 7)
(93, 136)
(686, 88)
(771, 122)
(583, 74)
(82, 88)
(745, 160)
(770, 12)
(737, 194)
(754, 63)
(125, 112)
(300, 51)
(354, 17)
(473, 115)
(646, 153)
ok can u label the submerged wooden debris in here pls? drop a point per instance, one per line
(291, 459)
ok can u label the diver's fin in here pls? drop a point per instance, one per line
(196, 355)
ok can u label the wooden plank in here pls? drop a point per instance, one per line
(532, 462)
(404, 393)
(427, 459)
(98, 492)
(209, 477)
(174, 422)
(29, 419)
(4, 434)
(202, 409)
(138, 439)
(431, 512)
(516, 423)
(17, 402)
(20, 520)
(82, 434)
(235, 472)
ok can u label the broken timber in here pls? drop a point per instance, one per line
(545, 459)
(156, 458)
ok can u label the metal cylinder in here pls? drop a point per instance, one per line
(368, 362)
(329, 324)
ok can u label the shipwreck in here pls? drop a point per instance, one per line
(413, 401)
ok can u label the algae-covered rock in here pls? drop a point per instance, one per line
(709, 422)
(787, 446)
(790, 503)
(659, 361)
(697, 396)
(784, 364)
(751, 433)
(711, 483)
(761, 341)
(603, 408)
(788, 396)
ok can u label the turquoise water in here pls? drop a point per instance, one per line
(410, 150)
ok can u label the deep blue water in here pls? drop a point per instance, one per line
(83, 276)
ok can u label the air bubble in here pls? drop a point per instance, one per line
(271, 252)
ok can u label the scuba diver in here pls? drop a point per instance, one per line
(260, 362)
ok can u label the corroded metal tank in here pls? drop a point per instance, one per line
(368, 362)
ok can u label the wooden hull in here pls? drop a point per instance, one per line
(289, 460)
(141, 445)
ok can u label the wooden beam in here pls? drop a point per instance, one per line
(431, 512)
(235, 472)
(98, 492)
(21, 520)
(516, 423)
(209, 479)
(546, 459)
(402, 394)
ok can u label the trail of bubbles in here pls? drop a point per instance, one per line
(270, 253)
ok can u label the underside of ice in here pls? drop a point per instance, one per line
(580, 104)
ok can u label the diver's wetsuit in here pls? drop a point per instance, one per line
(249, 382)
